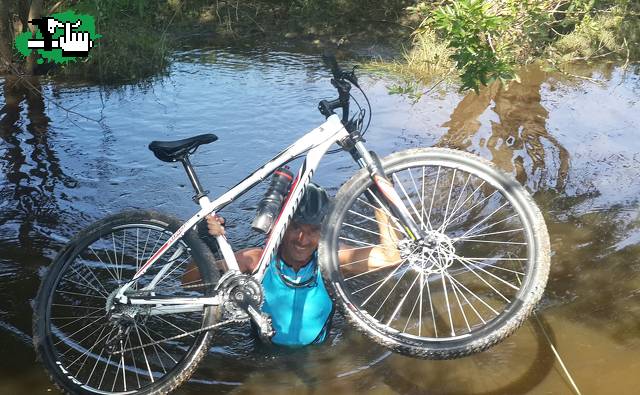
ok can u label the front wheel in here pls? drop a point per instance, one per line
(470, 283)
(87, 345)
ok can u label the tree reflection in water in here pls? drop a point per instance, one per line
(519, 141)
(30, 165)
(29, 208)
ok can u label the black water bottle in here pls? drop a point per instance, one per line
(271, 203)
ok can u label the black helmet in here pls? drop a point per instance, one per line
(313, 206)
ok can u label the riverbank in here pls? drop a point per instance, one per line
(422, 44)
(138, 37)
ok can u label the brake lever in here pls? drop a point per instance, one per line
(351, 76)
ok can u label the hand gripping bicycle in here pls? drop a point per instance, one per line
(456, 257)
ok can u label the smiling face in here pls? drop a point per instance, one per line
(298, 243)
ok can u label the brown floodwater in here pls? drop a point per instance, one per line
(573, 141)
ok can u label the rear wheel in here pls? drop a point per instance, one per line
(78, 336)
(476, 277)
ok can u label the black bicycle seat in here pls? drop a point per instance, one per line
(173, 151)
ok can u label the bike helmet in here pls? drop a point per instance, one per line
(313, 206)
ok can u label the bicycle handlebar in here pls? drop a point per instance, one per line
(339, 74)
(341, 81)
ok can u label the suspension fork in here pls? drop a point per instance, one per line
(385, 193)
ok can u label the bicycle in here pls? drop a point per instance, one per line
(114, 313)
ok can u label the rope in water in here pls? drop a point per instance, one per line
(574, 386)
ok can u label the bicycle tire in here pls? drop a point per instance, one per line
(445, 263)
(85, 273)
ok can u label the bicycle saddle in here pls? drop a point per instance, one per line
(173, 151)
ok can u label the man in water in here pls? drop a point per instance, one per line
(294, 293)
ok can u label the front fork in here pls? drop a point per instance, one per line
(385, 194)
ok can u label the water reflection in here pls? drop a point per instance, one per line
(30, 165)
(29, 192)
(518, 140)
(573, 144)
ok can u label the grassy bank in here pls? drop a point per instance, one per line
(138, 36)
(471, 41)
(477, 42)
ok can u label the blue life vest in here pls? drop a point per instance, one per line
(301, 312)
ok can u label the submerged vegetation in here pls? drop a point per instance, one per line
(475, 41)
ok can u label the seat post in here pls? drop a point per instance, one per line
(193, 178)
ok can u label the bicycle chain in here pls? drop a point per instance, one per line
(207, 328)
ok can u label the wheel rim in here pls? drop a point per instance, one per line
(445, 289)
(83, 336)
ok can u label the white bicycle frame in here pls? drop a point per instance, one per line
(316, 142)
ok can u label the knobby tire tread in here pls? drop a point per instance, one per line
(542, 263)
(203, 255)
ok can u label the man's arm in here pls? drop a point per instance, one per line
(247, 259)
(358, 260)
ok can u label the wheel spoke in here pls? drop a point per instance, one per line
(485, 281)
(79, 330)
(455, 293)
(397, 310)
(78, 303)
(422, 201)
(88, 283)
(81, 294)
(77, 319)
(449, 221)
(446, 298)
(490, 233)
(106, 267)
(386, 211)
(463, 271)
(471, 262)
(86, 353)
(144, 353)
(465, 298)
(446, 210)
(474, 295)
(483, 220)
(495, 242)
(373, 270)
(455, 206)
(474, 206)
(383, 283)
(390, 292)
(115, 258)
(413, 207)
(415, 188)
(159, 345)
(433, 315)
(492, 225)
(433, 197)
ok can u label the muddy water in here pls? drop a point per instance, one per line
(573, 142)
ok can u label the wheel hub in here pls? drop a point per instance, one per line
(432, 255)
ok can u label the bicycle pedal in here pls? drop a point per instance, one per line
(264, 324)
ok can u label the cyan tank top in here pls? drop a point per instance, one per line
(300, 314)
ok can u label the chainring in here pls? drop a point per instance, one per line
(239, 291)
